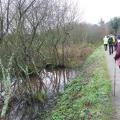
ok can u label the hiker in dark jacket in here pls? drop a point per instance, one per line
(110, 42)
(117, 55)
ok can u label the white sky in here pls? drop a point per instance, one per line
(94, 10)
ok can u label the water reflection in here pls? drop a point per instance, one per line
(54, 82)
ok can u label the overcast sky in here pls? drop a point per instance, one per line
(94, 10)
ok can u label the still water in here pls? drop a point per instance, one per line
(54, 82)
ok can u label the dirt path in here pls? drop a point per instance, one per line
(116, 98)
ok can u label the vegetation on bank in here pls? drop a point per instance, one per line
(37, 34)
(89, 95)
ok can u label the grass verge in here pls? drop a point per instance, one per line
(88, 97)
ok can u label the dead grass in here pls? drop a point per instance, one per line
(76, 54)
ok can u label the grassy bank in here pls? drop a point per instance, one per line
(88, 97)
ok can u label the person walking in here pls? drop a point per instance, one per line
(114, 42)
(117, 55)
(110, 43)
(105, 39)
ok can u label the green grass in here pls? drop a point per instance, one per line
(89, 95)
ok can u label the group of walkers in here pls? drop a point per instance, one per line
(112, 43)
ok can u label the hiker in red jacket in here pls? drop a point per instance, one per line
(117, 55)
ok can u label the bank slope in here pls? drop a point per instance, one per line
(88, 97)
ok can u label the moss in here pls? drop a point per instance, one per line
(87, 96)
(39, 96)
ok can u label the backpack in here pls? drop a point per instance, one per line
(110, 40)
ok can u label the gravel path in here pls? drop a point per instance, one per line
(114, 73)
